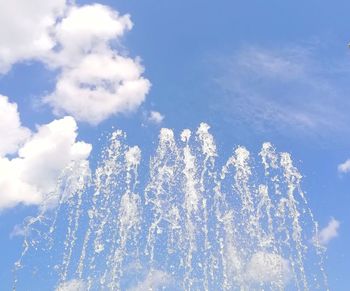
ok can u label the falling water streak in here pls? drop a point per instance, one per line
(191, 201)
(27, 242)
(291, 169)
(75, 211)
(224, 233)
(232, 263)
(242, 172)
(103, 180)
(77, 171)
(113, 174)
(69, 242)
(26, 247)
(163, 168)
(269, 238)
(269, 159)
(129, 216)
(208, 147)
(107, 184)
(319, 248)
(287, 206)
(293, 176)
(293, 180)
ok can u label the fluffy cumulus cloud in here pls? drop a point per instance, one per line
(99, 86)
(87, 29)
(12, 134)
(268, 268)
(327, 233)
(26, 29)
(95, 79)
(33, 173)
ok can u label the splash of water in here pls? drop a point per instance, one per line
(191, 222)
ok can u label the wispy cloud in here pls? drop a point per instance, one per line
(285, 89)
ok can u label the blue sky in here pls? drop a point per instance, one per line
(254, 71)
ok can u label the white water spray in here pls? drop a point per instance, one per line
(191, 221)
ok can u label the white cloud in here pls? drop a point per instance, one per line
(327, 233)
(95, 81)
(268, 268)
(72, 285)
(154, 280)
(26, 29)
(12, 134)
(33, 174)
(100, 86)
(155, 117)
(344, 167)
(95, 78)
(87, 29)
